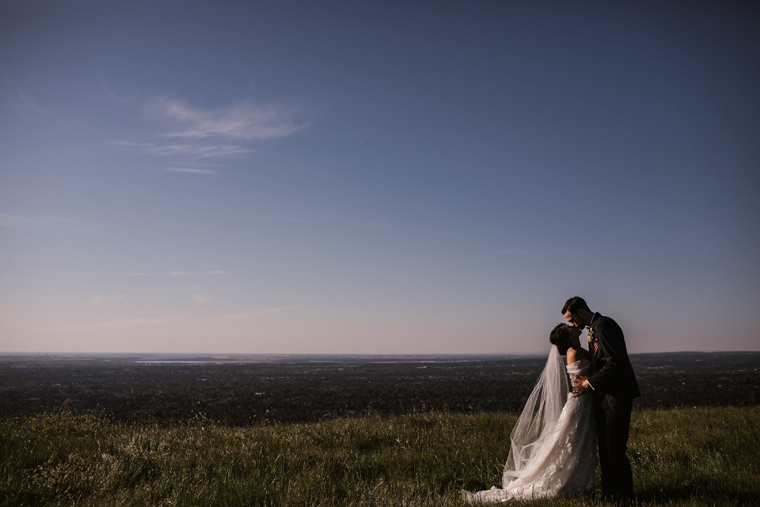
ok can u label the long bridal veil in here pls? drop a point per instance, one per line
(539, 416)
(553, 445)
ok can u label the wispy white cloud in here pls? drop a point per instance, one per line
(190, 170)
(192, 133)
(45, 224)
(240, 121)
(200, 299)
(197, 273)
(185, 150)
(196, 150)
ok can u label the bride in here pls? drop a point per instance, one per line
(553, 450)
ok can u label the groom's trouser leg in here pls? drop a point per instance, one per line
(604, 455)
(613, 425)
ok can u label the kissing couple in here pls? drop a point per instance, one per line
(553, 445)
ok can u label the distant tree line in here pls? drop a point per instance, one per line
(303, 391)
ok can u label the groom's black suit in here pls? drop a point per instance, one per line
(615, 387)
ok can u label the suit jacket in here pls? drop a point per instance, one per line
(614, 380)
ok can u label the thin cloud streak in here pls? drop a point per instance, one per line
(188, 170)
(45, 224)
(185, 150)
(218, 128)
(202, 151)
(241, 121)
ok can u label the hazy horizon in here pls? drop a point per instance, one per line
(378, 177)
(179, 357)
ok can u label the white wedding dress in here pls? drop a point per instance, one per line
(553, 448)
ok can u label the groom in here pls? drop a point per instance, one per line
(615, 387)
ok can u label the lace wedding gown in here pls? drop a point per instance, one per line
(560, 460)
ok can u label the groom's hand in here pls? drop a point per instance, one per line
(581, 386)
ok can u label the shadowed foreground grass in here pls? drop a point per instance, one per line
(701, 457)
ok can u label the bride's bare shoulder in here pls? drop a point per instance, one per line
(572, 355)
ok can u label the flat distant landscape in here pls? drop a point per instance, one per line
(248, 389)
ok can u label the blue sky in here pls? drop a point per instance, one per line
(376, 177)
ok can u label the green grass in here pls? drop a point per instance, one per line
(700, 457)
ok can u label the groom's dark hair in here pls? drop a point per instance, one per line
(574, 304)
(560, 336)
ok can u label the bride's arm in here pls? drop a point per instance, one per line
(574, 355)
(571, 353)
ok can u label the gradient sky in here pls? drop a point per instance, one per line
(376, 176)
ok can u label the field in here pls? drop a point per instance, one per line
(697, 448)
(689, 456)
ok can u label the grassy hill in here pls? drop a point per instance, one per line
(685, 456)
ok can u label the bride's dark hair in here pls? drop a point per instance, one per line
(560, 336)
